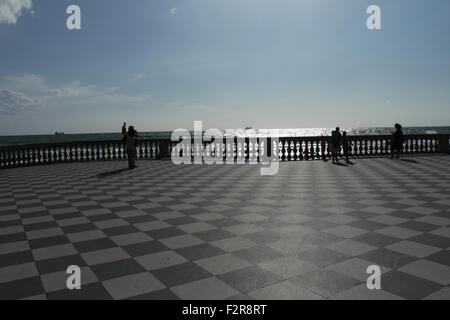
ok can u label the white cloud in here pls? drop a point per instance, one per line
(139, 76)
(173, 11)
(25, 92)
(11, 10)
(12, 102)
(72, 90)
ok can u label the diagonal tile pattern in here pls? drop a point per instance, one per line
(225, 232)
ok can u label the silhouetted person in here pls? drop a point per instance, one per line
(345, 145)
(131, 147)
(124, 133)
(335, 144)
(398, 138)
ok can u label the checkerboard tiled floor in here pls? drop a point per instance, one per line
(225, 232)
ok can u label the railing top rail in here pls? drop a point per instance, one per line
(142, 140)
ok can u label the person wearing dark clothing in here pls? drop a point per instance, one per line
(131, 147)
(398, 138)
(124, 133)
(335, 144)
(345, 146)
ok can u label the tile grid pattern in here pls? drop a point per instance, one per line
(225, 232)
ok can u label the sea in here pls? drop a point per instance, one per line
(299, 132)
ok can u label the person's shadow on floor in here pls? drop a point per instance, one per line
(110, 173)
(409, 160)
(340, 164)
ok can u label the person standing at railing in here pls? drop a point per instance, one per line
(124, 133)
(335, 144)
(398, 138)
(345, 146)
(131, 147)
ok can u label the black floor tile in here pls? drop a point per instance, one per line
(94, 245)
(251, 278)
(59, 264)
(198, 252)
(94, 291)
(180, 274)
(117, 269)
(144, 248)
(407, 286)
(20, 289)
(387, 258)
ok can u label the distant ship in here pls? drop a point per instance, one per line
(58, 133)
(248, 128)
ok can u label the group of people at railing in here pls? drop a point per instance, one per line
(340, 142)
(337, 142)
(338, 145)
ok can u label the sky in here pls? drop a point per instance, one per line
(161, 64)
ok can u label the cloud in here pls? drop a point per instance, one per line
(139, 76)
(11, 10)
(12, 102)
(21, 93)
(173, 11)
(72, 89)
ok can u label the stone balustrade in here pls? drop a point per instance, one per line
(248, 149)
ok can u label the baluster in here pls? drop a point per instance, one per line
(70, 146)
(318, 151)
(296, 149)
(376, 146)
(83, 150)
(146, 150)
(39, 157)
(19, 157)
(104, 146)
(113, 148)
(284, 147)
(299, 150)
(33, 156)
(306, 150)
(4, 159)
(44, 155)
(88, 152)
(74, 153)
(290, 150)
(29, 156)
(97, 153)
(313, 156)
(382, 147)
(13, 158)
(60, 155)
(108, 151)
(141, 152)
(50, 154)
